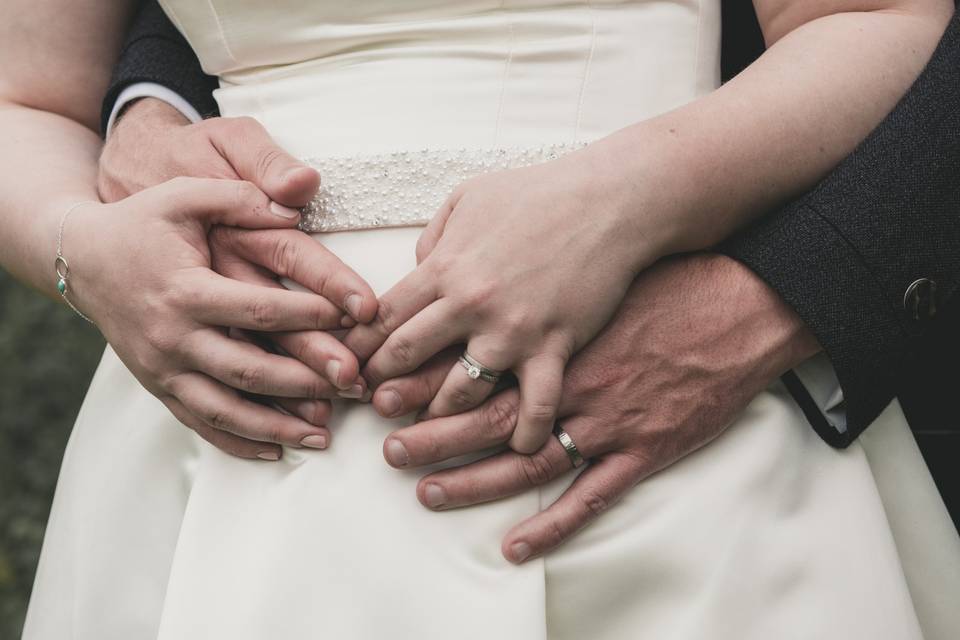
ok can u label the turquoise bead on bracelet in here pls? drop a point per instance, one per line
(60, 264)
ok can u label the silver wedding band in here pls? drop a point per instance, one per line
(476, 370)
(572, 452)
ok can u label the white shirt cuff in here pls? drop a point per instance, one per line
(820, 379)
(152, 90)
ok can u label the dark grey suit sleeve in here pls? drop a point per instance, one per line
(155, 51)
(846, 254)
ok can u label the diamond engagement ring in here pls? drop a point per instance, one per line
(572, 452)
(476, 370)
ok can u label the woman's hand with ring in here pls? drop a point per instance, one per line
(141, 269)
(524, 267)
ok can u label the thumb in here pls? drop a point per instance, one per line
(246, 145)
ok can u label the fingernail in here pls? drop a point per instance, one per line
(397, 453)
(347, 322)
(390, 403)
(315, 442)
(333, 372)
(520, 551)
(354, 392)
(367, 396)
(284, 212)
(435, 496)
(268, 455)
(353, 303)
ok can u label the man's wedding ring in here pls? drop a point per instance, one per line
(476, 370)
(572, 452)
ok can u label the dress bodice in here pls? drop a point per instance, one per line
(341, 78)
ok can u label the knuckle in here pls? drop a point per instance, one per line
(428, 447)
(401, 350)
(438, 264)
(423, 242)
(536, 469)
(386, 316)
(304, 349)
(179, 293)
(516, 321)
(249, 378)
(479, 294)
(500, 415)
(594, 503)
(285, 255)
(554, 534)
(273, 431)
(246, 192)
(263, 315)
(321, 316)
(462, 398)
(315, 388)
(266, 158)
(159, 339)
(219, 419)
(156, 366)
(541, 412)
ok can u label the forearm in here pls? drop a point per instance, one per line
(49, 162)
(769, 134)
(57, 59)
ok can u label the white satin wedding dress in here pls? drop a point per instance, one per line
(767, 533)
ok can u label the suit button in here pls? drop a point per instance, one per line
(920, 299)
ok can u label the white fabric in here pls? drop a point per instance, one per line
(151, 90)
(765, 533)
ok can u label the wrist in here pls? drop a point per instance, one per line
(784, 339)
(78, 228)
(643, 194)
(148, 111)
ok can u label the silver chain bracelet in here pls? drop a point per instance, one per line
(61, 266)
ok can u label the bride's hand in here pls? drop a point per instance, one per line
(153, 142)
(140, 268)
(525, 267)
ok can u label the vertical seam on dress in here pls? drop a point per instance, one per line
(696, 51)
(503, 79)
(586, 70)
(223, 34)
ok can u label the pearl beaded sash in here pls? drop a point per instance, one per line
(404, 188)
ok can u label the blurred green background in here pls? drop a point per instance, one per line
(47, 356)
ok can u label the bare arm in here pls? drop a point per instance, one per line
(56, 62)
(833, 70)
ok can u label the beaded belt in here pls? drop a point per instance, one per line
(405, 188)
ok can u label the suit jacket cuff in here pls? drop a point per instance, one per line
(165, 62)
(814, 268)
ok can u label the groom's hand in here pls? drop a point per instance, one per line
(152, 142)
(696, 339)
